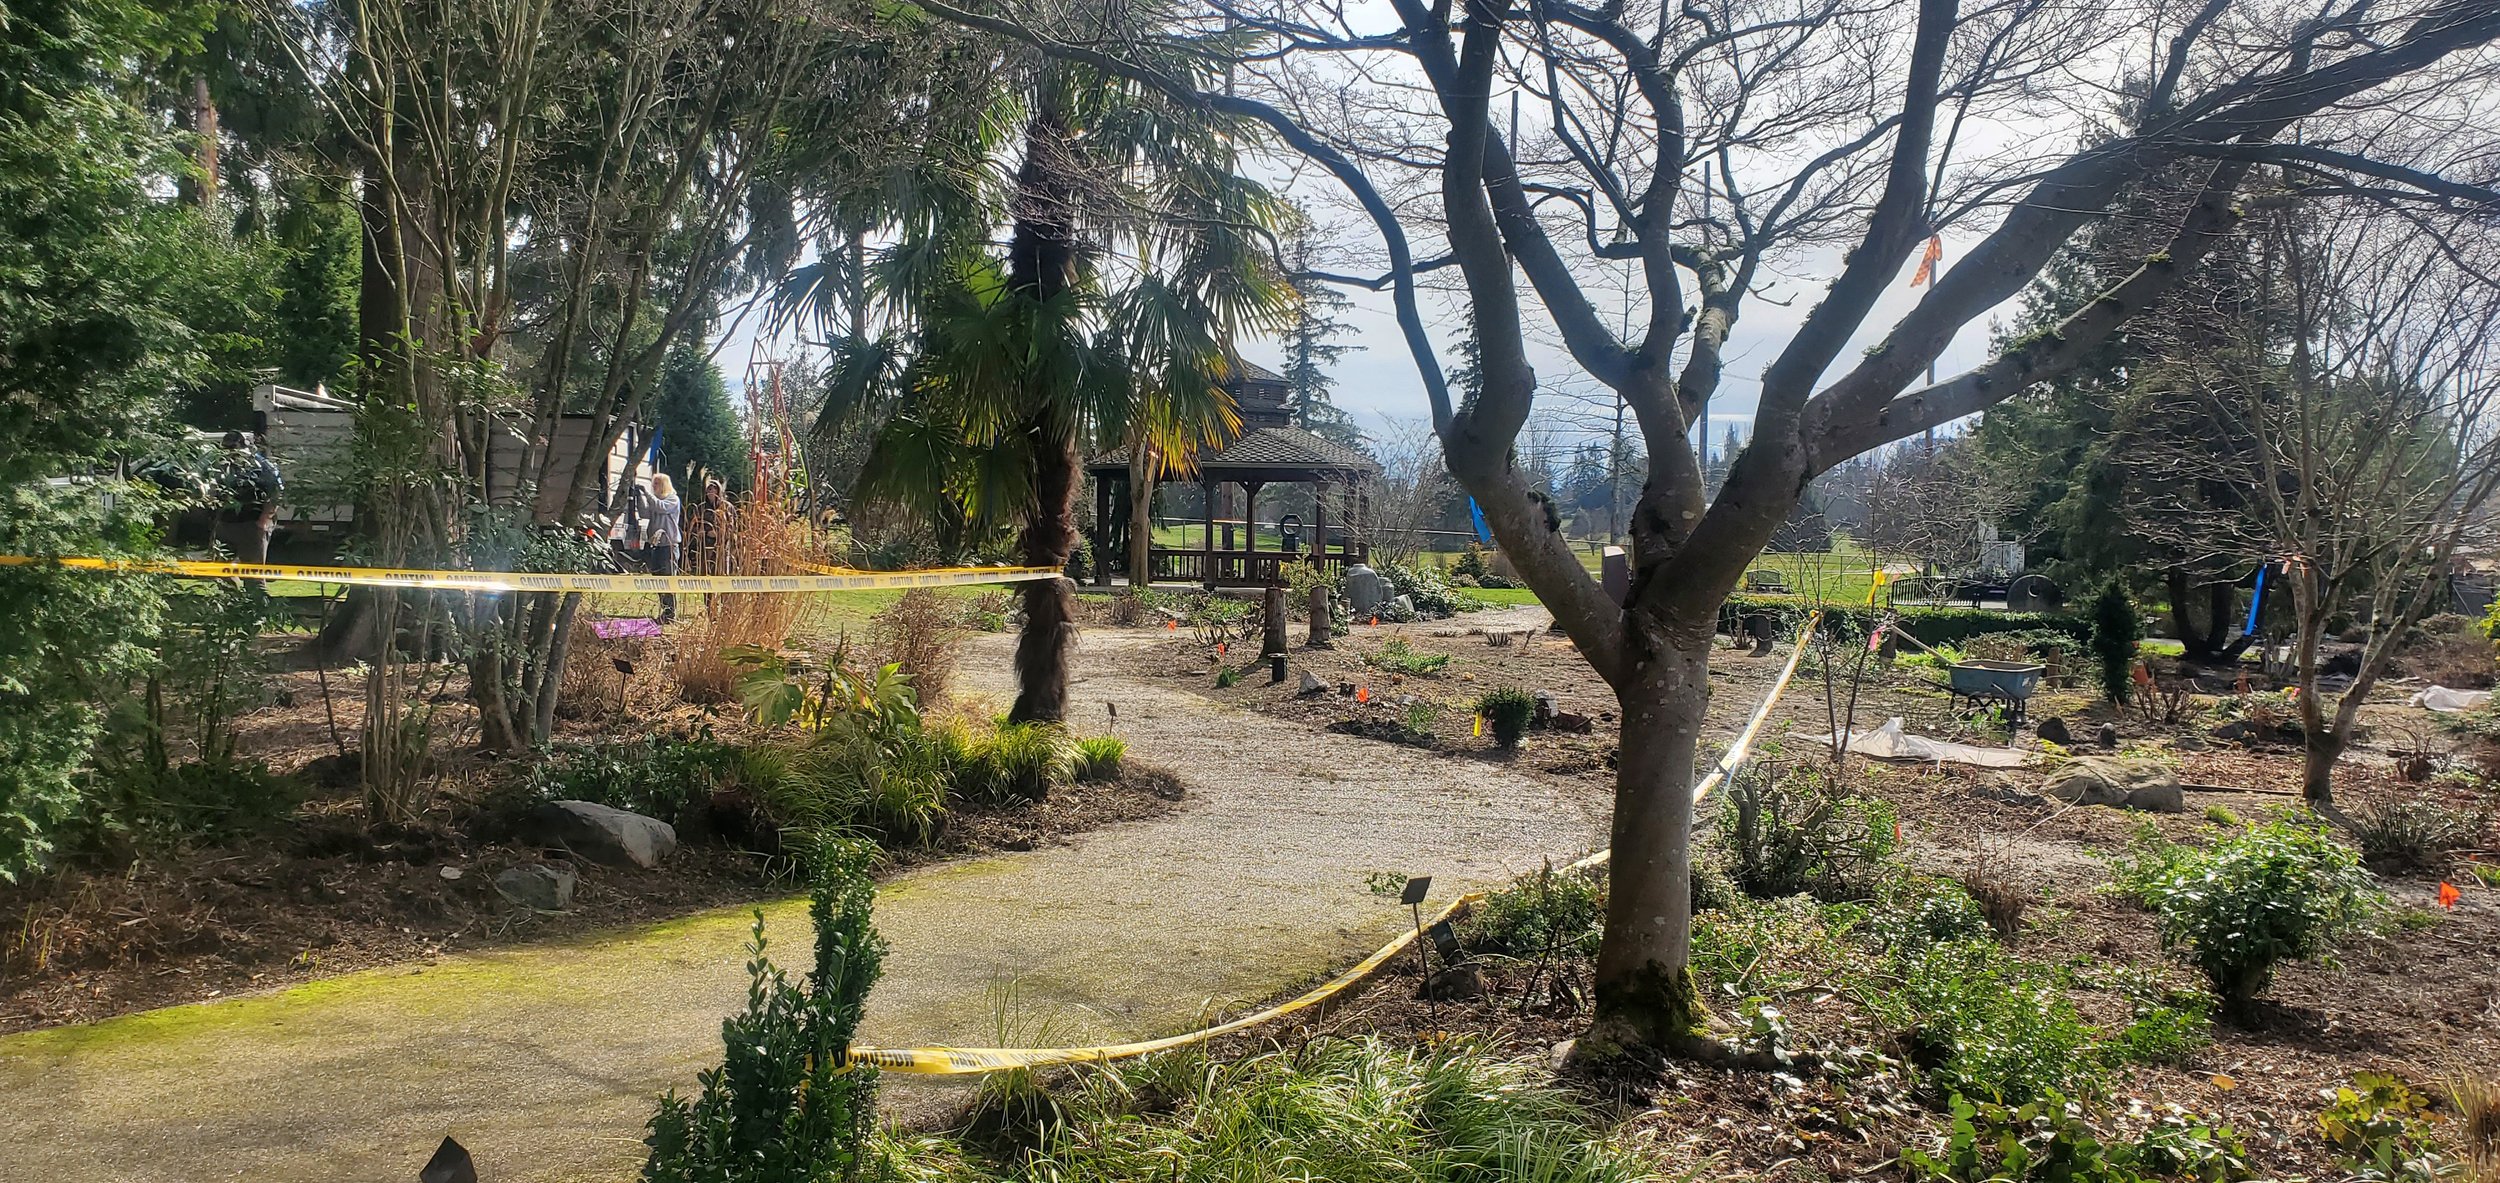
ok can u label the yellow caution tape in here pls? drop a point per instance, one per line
(827, 578)
(968, 1061)
(1736, 753)
(964, 1061)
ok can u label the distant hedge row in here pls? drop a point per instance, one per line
(1933, 626)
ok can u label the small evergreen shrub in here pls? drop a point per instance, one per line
(785, 1105)
(1506, 711)
(2283, 891)
(669, 779)
(2115, 631)
(1098, 758)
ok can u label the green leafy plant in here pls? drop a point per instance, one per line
(2221, 815)
(1990, 1025)
(2048, 1141)
(670, 779)
(1397, 657)
(1419, 718)
(785, 1105)
(1785, 831)
(1098, 758)
(1539, 915)
(1507, 710)
(2380, 1129)
(2282, 891)
(2164, 1026)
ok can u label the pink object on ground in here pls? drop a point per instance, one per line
(631, 626)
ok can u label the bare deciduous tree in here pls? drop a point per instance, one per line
(1412, 492)
(2369, 455)
(1712, 145)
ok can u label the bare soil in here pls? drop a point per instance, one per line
(2419, 999)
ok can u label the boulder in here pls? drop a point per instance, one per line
(2053, 730)
(2109, 735)
(1362, 589)
(603, 834)
(1309, 685)
(1401, 607)
(2097, 780)
(539, 886)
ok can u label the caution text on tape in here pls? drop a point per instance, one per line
(824, 579)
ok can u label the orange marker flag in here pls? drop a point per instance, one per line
(1221, 647)
(2448, 894)
(1375, 622)
(1362, 694)
(1169, 625)
(1927, 262)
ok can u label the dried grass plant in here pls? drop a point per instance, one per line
(766, 542)
(920, 633)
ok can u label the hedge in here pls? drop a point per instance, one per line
(1932, 626)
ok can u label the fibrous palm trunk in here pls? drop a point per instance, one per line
(1042, 261)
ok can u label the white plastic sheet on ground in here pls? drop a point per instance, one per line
(1890, 742)
(2449, 702)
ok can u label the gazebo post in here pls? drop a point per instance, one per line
(1102, 532)
(1319, 523)
(1208, 558)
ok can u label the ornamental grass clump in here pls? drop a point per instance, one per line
(1506, 711)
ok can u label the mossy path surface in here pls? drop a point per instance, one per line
(545, 1060)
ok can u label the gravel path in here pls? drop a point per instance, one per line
(545, 1060)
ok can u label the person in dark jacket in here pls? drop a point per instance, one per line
(248, 486)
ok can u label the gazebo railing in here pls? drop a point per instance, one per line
(1240, 568)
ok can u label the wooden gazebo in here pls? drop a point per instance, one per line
(1270, 450)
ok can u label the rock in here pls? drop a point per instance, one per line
(2236, 729)
(448, 871)
(1403, 608)
(2005, 792)
(2098, 780)
(1560, 1054)
(1309, 685)
(2053, 730)
(1543, 715)
(1575, 724)
(607, 835)
(1456, 983)
(1362, 589)
(2162, 796)
(538, 886)
(2109, 735)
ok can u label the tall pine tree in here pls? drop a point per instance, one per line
(1311, 347)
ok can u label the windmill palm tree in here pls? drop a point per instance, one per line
(1135, 255)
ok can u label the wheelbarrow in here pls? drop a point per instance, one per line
(1994, 682)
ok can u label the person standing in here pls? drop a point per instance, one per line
(248, 485)
(711, 534)
(664, 537)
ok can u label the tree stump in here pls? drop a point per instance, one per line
(1323, 619)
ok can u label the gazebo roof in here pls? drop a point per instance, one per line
(1266, 454)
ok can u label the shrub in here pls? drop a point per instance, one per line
(1919, 911)
(1423, 587)
(2413, 833)
(2221, 815)
(1507, 710)
(2163, 1026)
(2380, 1129)
(1016, 762)
(1098, 758)
(1986, 1024)
(2282, 891)
(1398, 658)
(1545, 914)
(1790, 832)
(212, 800)
(1999, 895)
(1475, 565)
(786, 1105)
(670, 779)
(919, 634)
(2115, 630)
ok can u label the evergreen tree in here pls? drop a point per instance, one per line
(698, 428)
(1311, 347)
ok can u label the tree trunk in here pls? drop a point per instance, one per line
(1049, 604)
(1141, 517)
(1645, 993)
